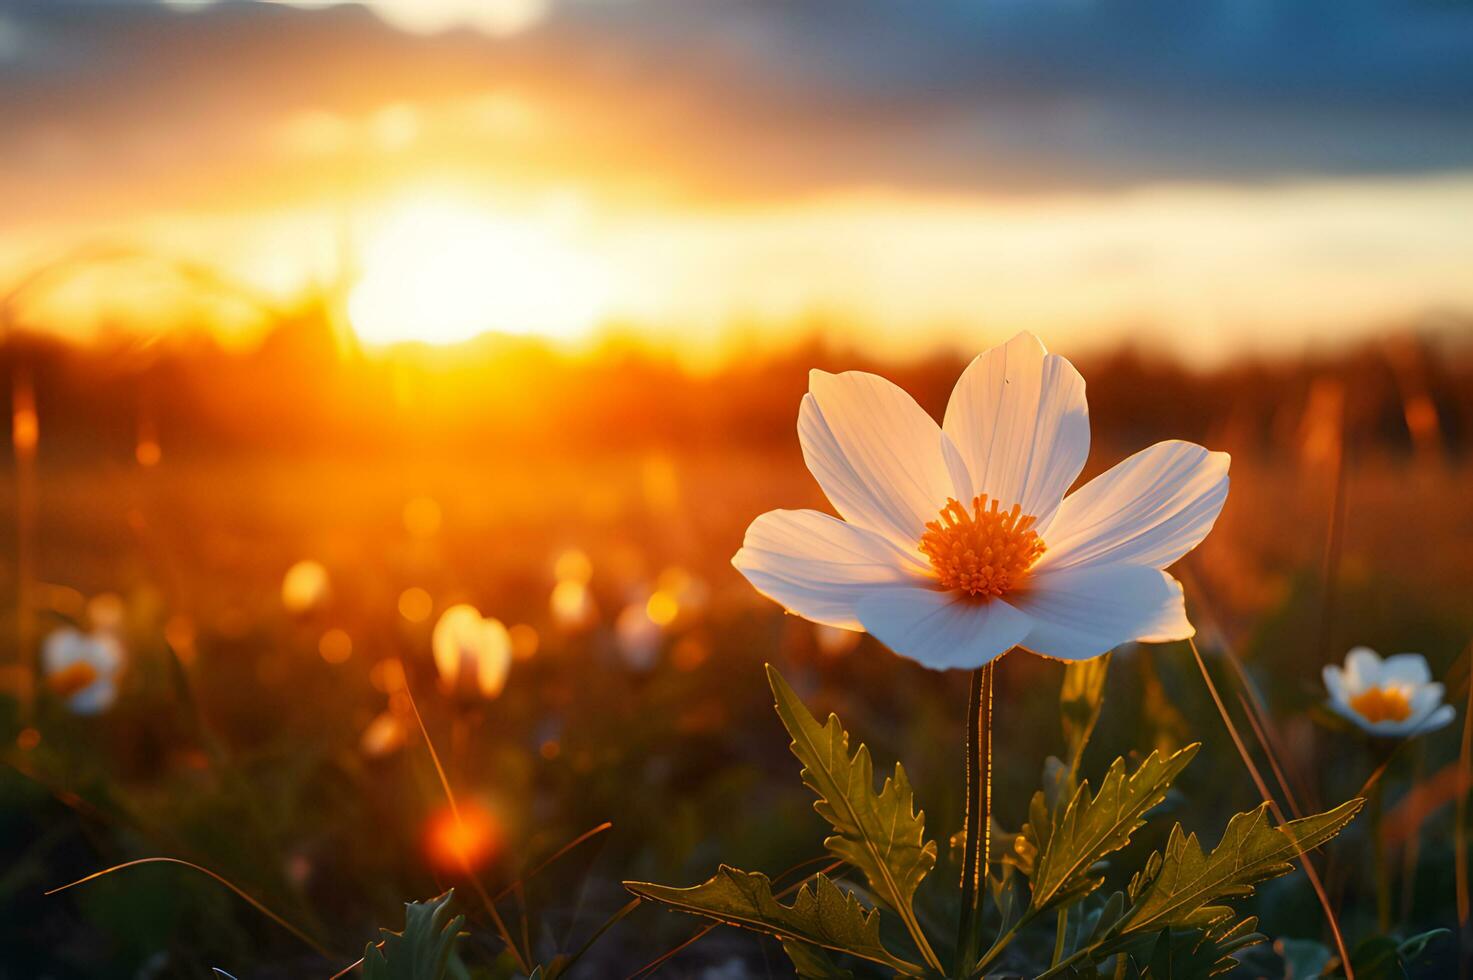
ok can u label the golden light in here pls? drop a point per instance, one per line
(422, 517)
(415, 604)
(443, 271)
(464, 841)
(304, 587)
(335, 646)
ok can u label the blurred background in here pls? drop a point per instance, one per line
(318, 319)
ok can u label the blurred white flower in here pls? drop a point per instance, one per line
(953, 584)
(572, 605)
(638, 636)
(1395, 697)
(472, 653)
(82, 669)
(304, 587)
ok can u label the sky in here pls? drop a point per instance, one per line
(1223, 175)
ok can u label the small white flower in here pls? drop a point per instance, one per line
(82, 669)
(957, 542)
(1395, 697)
(472, 654)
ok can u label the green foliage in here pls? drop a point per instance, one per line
(821, 915)
(1199, 955)
(880, 834)
(814, 963)
(1388, 958)
(1092, 826)
(1178, 886)
(1170, 923)
(424, 950)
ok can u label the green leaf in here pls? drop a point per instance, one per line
(1178, 887)
(1414, 946)
(814, 963)
(423, 950)
(821, 915)
(1376, 959)
(1201, 955)
(1093, 826)
(1080, 699)
(880, 834)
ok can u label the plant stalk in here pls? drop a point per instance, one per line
(978, 765)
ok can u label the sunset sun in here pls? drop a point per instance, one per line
(443, 271)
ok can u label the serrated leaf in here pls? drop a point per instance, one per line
(880, 834)
(821, 914)
(1201, 955)
(1093, 826)
(1179, 885)
(423, 950)
(814, 963)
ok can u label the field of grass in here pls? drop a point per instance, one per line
(278, 749)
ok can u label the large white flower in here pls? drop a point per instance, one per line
(957, 542)
(1395, 697)
(82, 668)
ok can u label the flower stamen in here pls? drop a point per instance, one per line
(71, 679)
(1382, 704)
(986, 552)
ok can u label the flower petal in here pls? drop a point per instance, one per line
(1149, 509)
(1439, 719)
(1334, 683)
(1362, 670)
(1405, 668)
(1019, 417)
(875, 452)
(1081, 612)
(1425, 699)
(941, 629)
(817, 566)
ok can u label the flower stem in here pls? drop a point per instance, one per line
(978, 815)
(1060, 929)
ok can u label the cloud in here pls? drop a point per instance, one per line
(764, 98)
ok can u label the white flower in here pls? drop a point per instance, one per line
(82, 669)
(1395, 697)
(952, 584)
(471, 653)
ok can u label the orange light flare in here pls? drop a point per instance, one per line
(463, 842)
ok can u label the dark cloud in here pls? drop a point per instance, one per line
(775, 96)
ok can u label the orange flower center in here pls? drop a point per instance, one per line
(986, 552)
(71, 679)
(1381, 704)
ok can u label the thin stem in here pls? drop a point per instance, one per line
(1309, 869)
(978, 837)
(1059, 930)
(1063, 965)
(971, 818)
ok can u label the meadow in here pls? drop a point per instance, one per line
(266, 724)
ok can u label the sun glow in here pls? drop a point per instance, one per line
(442, 271)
